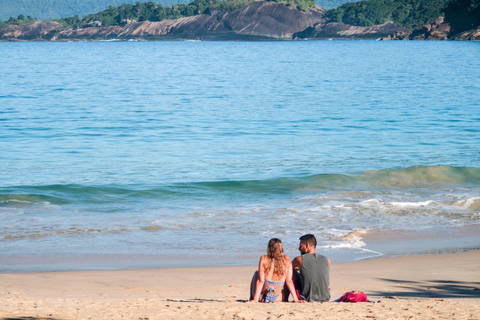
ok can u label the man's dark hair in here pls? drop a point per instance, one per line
(310, 239)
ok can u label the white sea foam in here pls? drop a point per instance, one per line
(345, 239)
(347, 245)
(411, 204)
(399, 207)
(470, 203)
(407, 204)
(371, 202)
(28, 202)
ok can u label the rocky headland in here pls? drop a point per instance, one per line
(439, 30)
(340, 30)
(259, 20)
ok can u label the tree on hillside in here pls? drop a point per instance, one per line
(463, 14)
(407, 13)
(19, 20)
(151, 11)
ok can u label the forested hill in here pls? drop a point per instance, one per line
(150, 11)
(260, 20)
(407, 13)
(56, 9)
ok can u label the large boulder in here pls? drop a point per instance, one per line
(439, 30)
(473, 34)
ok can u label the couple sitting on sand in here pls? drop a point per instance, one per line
(307, 277)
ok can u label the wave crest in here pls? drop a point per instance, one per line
(413, 177)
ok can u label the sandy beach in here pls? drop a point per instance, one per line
(415, 287)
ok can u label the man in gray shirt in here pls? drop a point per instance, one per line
(312, 271)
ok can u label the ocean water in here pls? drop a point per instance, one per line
(118, 155)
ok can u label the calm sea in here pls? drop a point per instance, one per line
(118, 155)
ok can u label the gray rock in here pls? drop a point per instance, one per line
(95, 24)
(38, 30)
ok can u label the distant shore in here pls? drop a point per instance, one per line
(419, 287)
(258, 21)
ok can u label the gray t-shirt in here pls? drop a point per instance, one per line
(315, 278)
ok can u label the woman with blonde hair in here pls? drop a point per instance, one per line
(274, 271)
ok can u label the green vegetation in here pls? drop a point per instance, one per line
(301, 4)
(463, 14)
(168, 9)
(20, 20)
(407, 13)
(142, 11)
(57, 9)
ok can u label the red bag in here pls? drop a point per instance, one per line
(354, 296)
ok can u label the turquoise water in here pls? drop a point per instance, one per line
(168, 154)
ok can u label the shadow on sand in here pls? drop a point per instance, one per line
(432, 289)
(198, 300)
(29, 318)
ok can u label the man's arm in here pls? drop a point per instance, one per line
(297, 263)
(289, 284)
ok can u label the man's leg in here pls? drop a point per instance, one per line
(297, 281)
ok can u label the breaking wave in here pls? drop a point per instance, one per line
(407, 178)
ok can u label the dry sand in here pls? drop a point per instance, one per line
(417, 287)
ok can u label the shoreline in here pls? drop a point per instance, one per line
(160, 262)
(162, 266)
(422, 287)
(381, 244)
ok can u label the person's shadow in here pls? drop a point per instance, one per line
(29, 318)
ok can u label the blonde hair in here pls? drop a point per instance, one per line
(275, 252)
